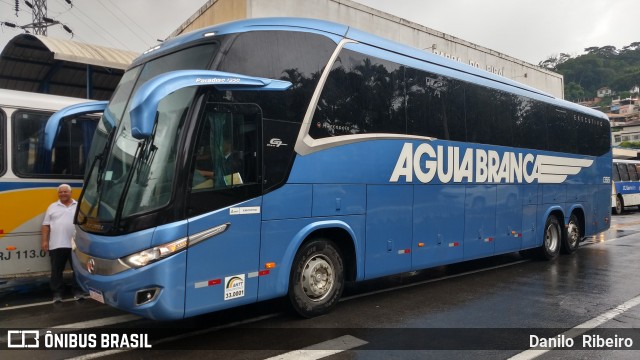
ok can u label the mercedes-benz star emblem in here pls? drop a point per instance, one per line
(91, 266)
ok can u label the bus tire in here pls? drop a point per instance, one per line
(317, 278)
(573, 235)
(551, 241)
(619, 205)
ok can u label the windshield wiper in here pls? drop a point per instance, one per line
(101, 166)
(127, 184)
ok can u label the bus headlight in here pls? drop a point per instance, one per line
(146, 257)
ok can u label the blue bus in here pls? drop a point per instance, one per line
(285, 157)
(625, 185)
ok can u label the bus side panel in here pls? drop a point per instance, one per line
(599, 215)
(335, 200)
(630, 191)
(437, 225)
(577, 193)
(480, 221)
(554, 193)
(508, 219)
(288, 202)
(22, 207)
(222, 270)
(603, 213)
(529, 214)
(281, 240)
(389, 229)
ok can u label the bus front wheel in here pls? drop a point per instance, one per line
(317, 278)
(572, 238)
(552, 237)
(619, 205)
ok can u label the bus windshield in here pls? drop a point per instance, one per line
(138, 171)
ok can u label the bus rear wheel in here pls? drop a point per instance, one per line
(317, 278)
(552, 238)
(572, 238)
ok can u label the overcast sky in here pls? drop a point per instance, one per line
(530, 30)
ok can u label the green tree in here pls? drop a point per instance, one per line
(630, 144)
(597, 68)
(574, 92)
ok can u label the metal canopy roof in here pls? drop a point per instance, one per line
(43, 64)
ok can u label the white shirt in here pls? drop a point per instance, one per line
(60, 220)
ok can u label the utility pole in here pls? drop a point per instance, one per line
(39, 14)
(40, 21)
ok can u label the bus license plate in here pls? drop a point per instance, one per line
(96, 295)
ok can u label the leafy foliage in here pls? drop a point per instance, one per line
(630, 144)
(618, 69)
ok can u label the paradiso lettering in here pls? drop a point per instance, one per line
(452, 164)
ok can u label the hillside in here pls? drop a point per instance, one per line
(618, 69)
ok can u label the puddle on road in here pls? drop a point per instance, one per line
(609, 235)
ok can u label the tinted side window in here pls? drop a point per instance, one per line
(633, 174)
(529, 128)
(488, 114)
(503, 112)
(363, 94)
(624, 173)
(435, 105)
(616, 174)
(561, 133)
(70, 149)
(585, 130)
(297, 57)
(603, 137)
(3, 150)
(226, 165)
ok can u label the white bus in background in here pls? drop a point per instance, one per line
(625, 184)
(30, 175)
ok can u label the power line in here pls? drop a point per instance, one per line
(10, 4)
(104, 31)
(135, 33)
(115, 5)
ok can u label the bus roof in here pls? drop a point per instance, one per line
(463, 71)
(30, 100)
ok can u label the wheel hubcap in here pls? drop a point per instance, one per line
(317, 277)
(551, 238)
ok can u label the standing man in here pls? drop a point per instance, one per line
(57, 230)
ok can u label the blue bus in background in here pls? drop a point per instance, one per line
(285, 157)
(625, 187)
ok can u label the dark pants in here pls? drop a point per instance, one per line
(59, 258)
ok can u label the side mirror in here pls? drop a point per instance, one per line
(52, 128)
(144, 104)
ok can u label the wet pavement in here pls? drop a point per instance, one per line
(483, 309)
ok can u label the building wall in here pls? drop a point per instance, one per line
(214, 12)
(384, 25)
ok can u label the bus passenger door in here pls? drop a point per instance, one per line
(388, 229)
(224, 208)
